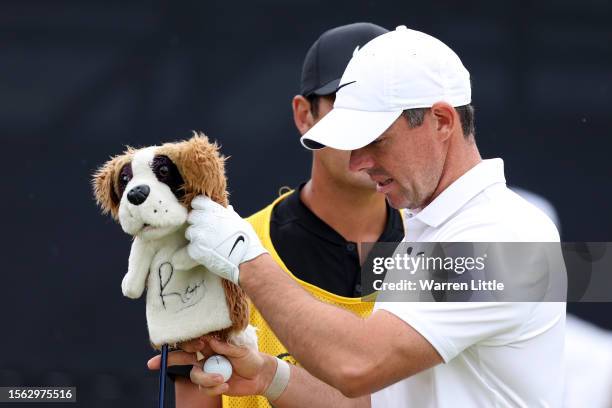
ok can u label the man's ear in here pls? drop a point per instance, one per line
(302, 115)
(201, 166)
(446, 118)
(104, 183)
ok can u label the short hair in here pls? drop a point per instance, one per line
(466, 118)
(314, 102)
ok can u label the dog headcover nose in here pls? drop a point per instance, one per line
(138, 194)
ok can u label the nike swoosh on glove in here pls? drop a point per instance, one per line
(220, 239)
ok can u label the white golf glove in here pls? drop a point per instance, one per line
(220, 239)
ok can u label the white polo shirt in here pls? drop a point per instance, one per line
(495, 354)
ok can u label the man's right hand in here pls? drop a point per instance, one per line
(252, 371)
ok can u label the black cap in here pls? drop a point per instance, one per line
(330, 54)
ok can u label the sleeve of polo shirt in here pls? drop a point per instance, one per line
(451, 327)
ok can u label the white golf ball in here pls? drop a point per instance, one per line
(218, 365)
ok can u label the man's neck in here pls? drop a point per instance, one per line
(359, 215)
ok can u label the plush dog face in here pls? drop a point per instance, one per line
(149, 190)
(150, 187)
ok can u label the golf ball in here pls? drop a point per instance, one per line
(218, 365)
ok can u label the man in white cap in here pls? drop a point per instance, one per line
(403, 110)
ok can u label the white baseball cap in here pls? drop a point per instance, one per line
(402, 69)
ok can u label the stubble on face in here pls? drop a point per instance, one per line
(412, 159)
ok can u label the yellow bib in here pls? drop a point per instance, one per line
(268, 343)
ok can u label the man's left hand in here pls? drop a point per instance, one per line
(220, 239)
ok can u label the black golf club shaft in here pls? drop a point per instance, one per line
(162, 376)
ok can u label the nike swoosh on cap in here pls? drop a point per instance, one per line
(343, 85)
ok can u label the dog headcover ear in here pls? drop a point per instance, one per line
(105, 183)
(201, 166)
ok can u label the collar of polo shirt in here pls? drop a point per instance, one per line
(466, 187)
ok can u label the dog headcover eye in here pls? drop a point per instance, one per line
(109, 182)
(125, 175)
(166, 171)
(199, 165)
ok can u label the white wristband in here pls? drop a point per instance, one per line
(279, 382)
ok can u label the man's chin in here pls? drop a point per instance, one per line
(396, 201)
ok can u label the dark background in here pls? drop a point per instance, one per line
(79, 80)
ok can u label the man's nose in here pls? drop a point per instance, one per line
(360, 160)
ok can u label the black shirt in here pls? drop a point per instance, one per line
(314, 252)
